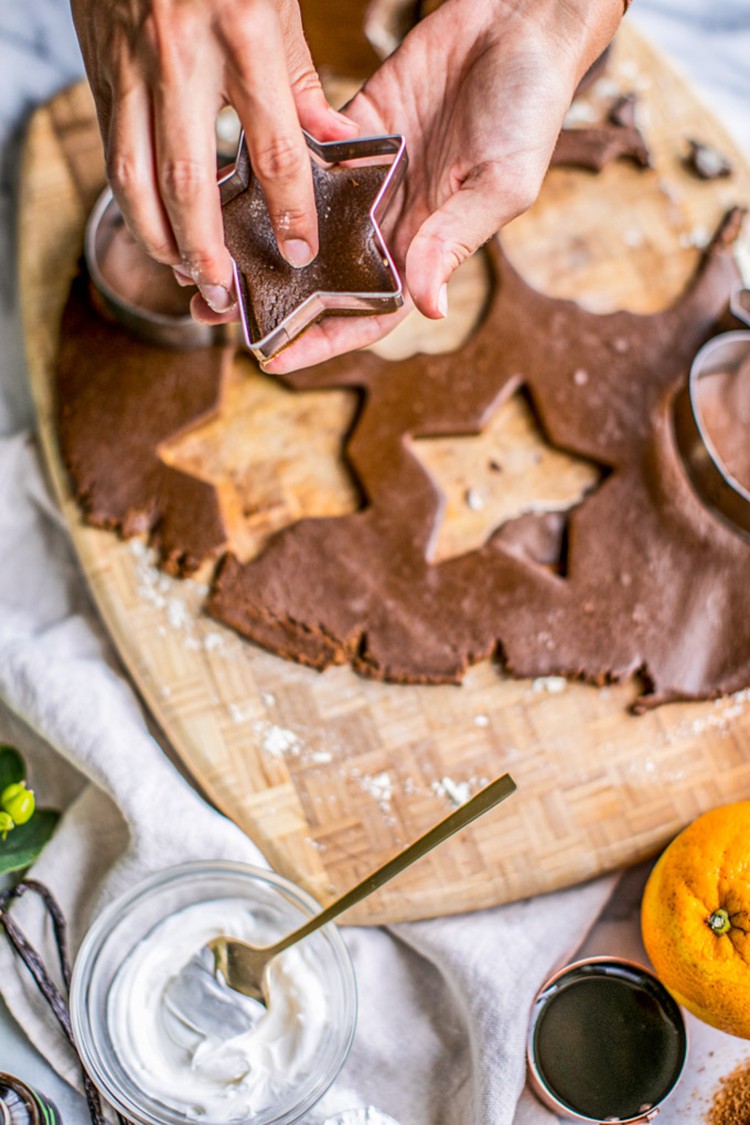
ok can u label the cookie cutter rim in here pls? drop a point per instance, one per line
(537, 1084)
(317, 304)
(717, 487)
(181, 332)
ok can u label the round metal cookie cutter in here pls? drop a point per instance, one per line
(715, 484)
(167, 329)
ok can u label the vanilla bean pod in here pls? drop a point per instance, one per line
(42, 979)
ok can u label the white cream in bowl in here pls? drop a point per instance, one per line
(205, 1075)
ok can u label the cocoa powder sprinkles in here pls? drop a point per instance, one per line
(731, 1102)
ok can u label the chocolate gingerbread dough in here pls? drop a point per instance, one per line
(643, 579)
(639, 579)
(118, 400)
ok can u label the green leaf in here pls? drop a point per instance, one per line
(12, 769)
(22, 846)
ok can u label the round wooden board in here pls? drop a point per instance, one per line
(329, 773)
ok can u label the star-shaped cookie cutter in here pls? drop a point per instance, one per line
(712, 480)
(353, 153)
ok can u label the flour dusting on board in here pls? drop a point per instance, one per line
(180, 603)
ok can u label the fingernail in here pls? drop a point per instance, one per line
(182, 278)
(442, 299)
(217, 297)
(297, 252)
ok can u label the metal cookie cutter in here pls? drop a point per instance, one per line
(127, 286)
(354, 153)
(710, 477)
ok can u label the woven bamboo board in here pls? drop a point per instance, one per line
(330, 773)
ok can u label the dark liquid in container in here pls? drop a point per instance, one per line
(609, 1042)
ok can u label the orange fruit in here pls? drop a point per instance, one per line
(695, 918)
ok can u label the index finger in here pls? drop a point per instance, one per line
(261, 93)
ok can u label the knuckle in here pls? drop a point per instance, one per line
(181, 179)
(201, 264)
(304, 79)
(124, 173)
(455, 253)
(170, 35)
(451, 250)
(289, 219)
(242, 29)
(161, 251)
(281, 159)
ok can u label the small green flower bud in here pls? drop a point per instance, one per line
(6, 824)
(18, 802)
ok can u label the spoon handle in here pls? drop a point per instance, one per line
(485, 799)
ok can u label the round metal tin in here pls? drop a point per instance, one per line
(168, 329)
(22, 1105)
(562, 1072)
(717, 487)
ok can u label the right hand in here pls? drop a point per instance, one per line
(160, 71)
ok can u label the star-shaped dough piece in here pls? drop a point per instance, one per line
(353, 272)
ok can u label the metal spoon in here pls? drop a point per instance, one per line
(243, 966)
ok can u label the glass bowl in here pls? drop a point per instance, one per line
(277, 906)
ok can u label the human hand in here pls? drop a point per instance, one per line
(160, 71)
(480, 89)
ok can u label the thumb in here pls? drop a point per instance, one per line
(483, 204)
(315, 114)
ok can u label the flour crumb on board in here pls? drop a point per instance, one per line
(552, 685)
(380, 787)
(180, 603)
(153, 586)
(320, 757)
(717, 721)
(580, 113)
(457, 792)
(277, 741)
(239, 714)
(178, 614)
(605, 88)
(481, 720)
(698, 237)
(474, 499)
(633, 237)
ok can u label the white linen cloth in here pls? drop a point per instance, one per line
(443, 1004)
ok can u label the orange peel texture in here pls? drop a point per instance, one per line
(695, 918)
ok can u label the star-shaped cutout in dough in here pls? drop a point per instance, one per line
(509, 470)
(353, 272)
(270, 455)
